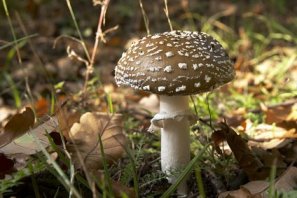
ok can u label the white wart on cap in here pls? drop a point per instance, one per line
(175, 63)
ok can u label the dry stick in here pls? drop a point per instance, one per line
(99, 33)
(99, 36)
(167, 14)
(145, 18)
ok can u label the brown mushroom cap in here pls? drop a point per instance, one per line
(175, 63)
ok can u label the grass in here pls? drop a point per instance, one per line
(208, 106)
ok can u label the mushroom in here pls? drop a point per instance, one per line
(174, 65)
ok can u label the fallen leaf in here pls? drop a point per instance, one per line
(282, 115)
(240, 193)
(85, 139)
(269, 136)
(285, 183)
(19, 124)
(278, 113)
(217, 138)
(251, 165)
(270, 158)
(26, 143)
(253, 189)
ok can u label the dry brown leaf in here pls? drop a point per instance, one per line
(251, 165)
(269, 136)
(259, 189)
(19, 124)
(217, 138)
(287, 181)
(85, 138)
(283, 115)
(252, 189)
(26, 144)
(255, 162)
(240, 193)
(270, 157)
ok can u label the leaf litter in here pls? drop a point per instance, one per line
(85, 135)
(256, 156)
(260, 189)
(83, 138)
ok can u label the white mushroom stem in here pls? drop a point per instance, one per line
(175, 136)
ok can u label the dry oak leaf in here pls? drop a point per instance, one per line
(85, 147)
(18, 124)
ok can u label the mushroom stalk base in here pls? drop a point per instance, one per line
(175, 137)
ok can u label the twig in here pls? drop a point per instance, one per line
(72, 54)
(99, 36)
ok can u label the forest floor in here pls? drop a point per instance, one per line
(246, 129)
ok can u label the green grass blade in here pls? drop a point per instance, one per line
(109, 102)
(18, 40)
(106, 171)
(60, 173)
(77, 29)
(200, 182)
(15, 91)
